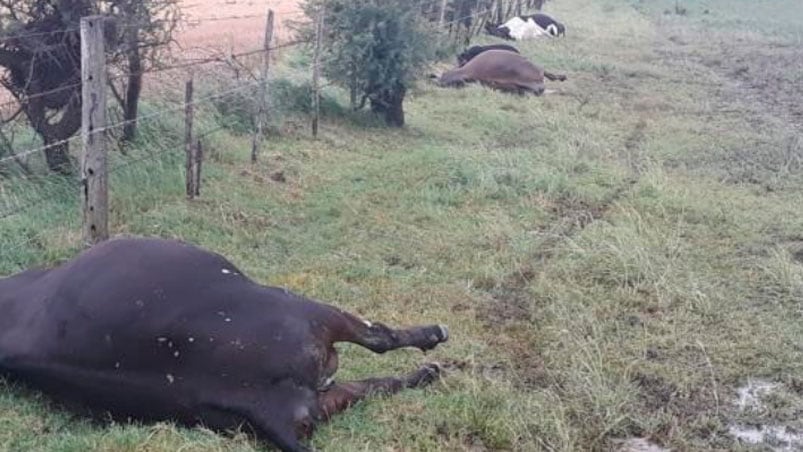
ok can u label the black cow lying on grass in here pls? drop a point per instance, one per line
(161, 330)
(473, 51)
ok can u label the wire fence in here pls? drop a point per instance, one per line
(53, 198)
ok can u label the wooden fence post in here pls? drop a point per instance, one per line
(189, 146)
(262, 107)
(442, 18)
(94, 176)
(199, 160)
(316, 71)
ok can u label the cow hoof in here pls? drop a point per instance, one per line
(434, 335)
(444, 333)
(431, 336)
(426, 375)
(439, 334)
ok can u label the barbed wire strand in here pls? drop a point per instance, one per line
(197, 20)
(182, 18)
(184, 65)
(23, 154)
(176, 147)
(41, 94)
(181, 106)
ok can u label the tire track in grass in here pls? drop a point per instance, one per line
(509, 304)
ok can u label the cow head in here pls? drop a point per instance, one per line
(556, 29)
(451, 79)
(539, 89)
(500, 31)
(463, 58)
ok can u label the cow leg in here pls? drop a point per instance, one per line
(555, 77)
(535, 88)
(343, 395)
(380, 338)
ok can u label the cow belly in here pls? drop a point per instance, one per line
(235, 343)
(123, 394)
(532, 30)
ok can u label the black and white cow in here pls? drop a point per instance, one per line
(527, 27)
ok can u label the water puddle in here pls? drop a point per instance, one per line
(777, 438)
(639, 445)
(750, 395)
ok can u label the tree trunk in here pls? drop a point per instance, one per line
(389, 103)
(394, 115)
(131, 107)
(58, 157)
(134, 85)
(353, 89)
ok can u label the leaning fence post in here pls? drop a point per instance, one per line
(94, 176)
(316, 70)
(442, 18)
(262, 107)
(188, 144)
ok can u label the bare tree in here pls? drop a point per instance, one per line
(148, 29)
(40, 51)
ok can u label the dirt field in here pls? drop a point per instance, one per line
(230, 24)
(212, 27)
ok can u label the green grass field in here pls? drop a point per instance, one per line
(614, 260)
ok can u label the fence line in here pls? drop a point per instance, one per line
(194, 21)
(184, 65)
(216, 59)
(21, 205)
(47, 193)
(157, 114)
(172, 145)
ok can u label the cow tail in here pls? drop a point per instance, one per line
(555, 77)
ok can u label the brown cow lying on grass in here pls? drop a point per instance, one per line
(161, 330)
(502, 70)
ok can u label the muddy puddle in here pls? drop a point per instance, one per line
(639, 445)
(775, 437)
